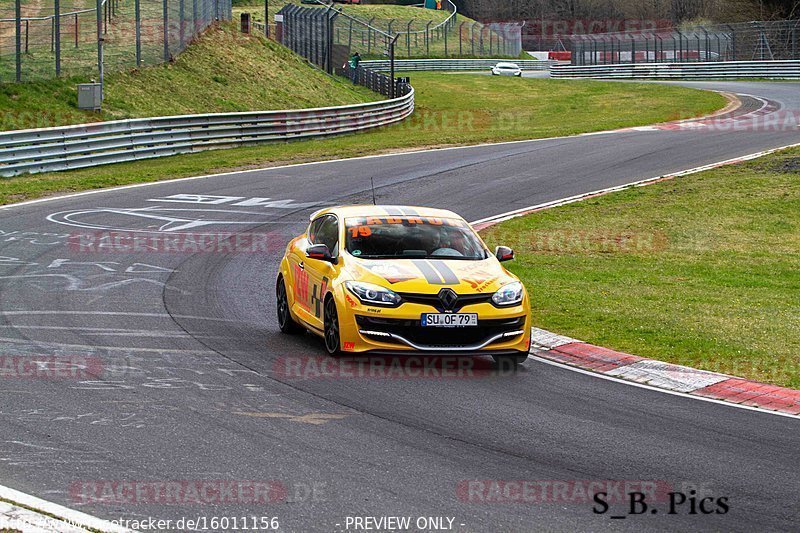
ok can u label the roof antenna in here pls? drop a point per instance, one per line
(372, 182)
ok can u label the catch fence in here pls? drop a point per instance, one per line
(43, 39)
(750, 41)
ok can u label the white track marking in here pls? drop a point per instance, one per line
(90, 347)
(63, 513)
(656, 389)
(667, 375)
(118, 313)
(639, 183)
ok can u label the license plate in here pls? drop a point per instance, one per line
(449, 320)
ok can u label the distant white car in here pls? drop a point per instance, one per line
(506, 69)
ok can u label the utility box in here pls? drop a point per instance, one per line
(90, 96)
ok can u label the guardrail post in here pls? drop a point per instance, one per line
(57, 23)
(165, 14)
(445, 40)
(428, 38)
(733, 43)
(369, 35)
(472, 37)
(794, 43)
(330, 67)
(18, 38)
(182, 27)
(100, 66)
(391, 65)
(266, 19)
(305, 19)
(137, 15)
(350, 35)
(460, 40)
(633, 50)
(408, 36)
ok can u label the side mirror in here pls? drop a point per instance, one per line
(504, 253)
(319, 251)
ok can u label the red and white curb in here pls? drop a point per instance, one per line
(648, 372)
(661, 375)
(26, 513)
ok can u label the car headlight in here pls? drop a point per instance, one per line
(509, 294)
(371, 294)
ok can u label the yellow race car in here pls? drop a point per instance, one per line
(402, 280)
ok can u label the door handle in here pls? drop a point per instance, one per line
(302, 266)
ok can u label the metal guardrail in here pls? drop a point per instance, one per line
(88, 145)
(373, 80)
(789, 69)
(457, 64)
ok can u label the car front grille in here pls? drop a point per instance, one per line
(411, 330)
(434, 301)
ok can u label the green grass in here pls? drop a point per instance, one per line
(450, 110)
(224, 71)
(381, 15)
(384, 13)
(701, 270)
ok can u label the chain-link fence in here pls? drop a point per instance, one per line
(750, 41)
(442, 36)
(42, 39)
(435, 34)
(310, 31)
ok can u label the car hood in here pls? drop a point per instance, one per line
(428, 276)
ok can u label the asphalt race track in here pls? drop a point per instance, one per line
(191, 380)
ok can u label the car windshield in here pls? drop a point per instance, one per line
(412, 238)
(507, 66)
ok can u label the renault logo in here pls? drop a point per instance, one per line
(449, 298)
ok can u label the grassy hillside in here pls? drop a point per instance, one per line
(383, 13)
(464, 39)
(223, 71)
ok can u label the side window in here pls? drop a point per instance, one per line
(325, 230)
(329, 234)
(313, 231)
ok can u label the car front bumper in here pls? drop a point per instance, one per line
(399, 330)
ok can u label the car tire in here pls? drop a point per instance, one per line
(510, 362)
(330, 320)
(285, 321)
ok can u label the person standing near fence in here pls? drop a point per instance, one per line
(355, 59)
